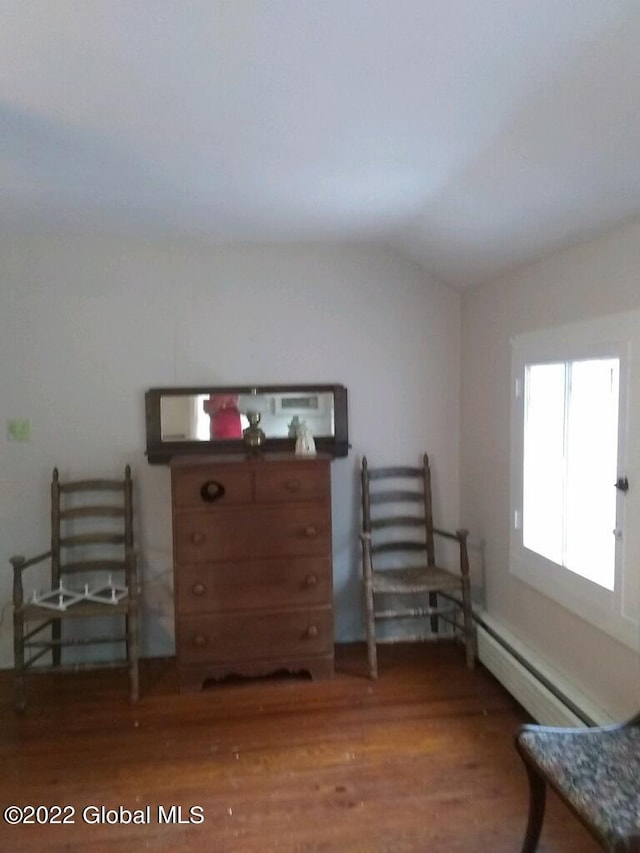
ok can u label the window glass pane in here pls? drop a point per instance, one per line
(592, 457)
(543, 473)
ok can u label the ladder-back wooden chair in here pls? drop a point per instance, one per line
(595, 772)
(402, 580)
(92, 574)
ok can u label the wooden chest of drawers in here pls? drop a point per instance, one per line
(252, 566)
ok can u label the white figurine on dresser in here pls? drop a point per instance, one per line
(305, 444)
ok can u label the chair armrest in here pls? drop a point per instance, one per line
(458, 536)
(19, 564)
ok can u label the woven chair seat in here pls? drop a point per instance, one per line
(418, 579)
(597, 772)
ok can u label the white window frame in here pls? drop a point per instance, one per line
(614, 612)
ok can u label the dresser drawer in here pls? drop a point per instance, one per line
(276, 531)
(198, 486)
(225, 638)
(302, 582)
(299, 482)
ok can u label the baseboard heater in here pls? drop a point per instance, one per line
(530, 681)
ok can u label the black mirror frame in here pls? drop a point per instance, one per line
(161, 452)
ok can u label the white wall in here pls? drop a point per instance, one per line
(86, 326)
(593, 279)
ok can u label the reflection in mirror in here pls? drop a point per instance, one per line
(200, 417)
(204, 417)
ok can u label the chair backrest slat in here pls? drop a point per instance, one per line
(396, 472)
(92, 486)
(81, 566)
(397, 521)
(398, 546)
(81, 539)
(395, 496)
(92, 512)
(385, 490)
(89, 526)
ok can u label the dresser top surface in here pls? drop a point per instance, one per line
(250, 461)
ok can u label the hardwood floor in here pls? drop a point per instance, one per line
(420, 760)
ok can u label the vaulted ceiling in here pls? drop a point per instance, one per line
(474, 136)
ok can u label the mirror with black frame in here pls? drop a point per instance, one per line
(205, 419)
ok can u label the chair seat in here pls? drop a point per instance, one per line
(597, 772)
(82, 609)
(418, 579)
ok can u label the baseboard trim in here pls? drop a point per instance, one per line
(543, 693)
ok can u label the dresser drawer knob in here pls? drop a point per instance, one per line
(292, 485)
(200, 641)
(311, 580)
(211, 491)
(312, 632)
(198, 589)
(310, 531)
(197, 538)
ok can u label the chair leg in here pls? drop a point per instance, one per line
(56, 635)
(133, 654)
(470, 646)
(537, 800)
(20, 697)
(433, 603)
(469, 630)
(372, 654)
